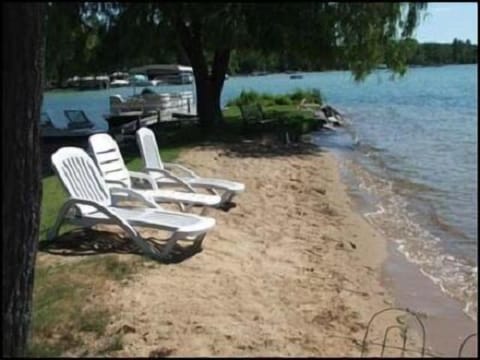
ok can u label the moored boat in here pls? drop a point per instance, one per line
(79, 126)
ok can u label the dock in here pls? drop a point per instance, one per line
(128, 123)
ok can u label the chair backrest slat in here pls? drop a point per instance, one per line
(108, 158)
(149, 149)
(80, 177)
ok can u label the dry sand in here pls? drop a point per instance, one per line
(291, 270)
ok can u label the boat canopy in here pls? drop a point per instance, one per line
(153, 71)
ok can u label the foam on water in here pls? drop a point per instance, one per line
(454, 275)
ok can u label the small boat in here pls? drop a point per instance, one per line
(119, 83)
(296, 76)
(149, 101)
(79, 126)
(140, 80)
(167, 73)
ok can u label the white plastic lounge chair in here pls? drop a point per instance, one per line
(110, 162)
(93, 203)
(162, 174)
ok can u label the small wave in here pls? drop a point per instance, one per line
(402, 184)
(443, 225)
(368, 148)
(380, 211)
(452, 275)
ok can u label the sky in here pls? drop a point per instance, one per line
(446, 21)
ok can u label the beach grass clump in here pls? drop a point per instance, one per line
(282, 100)
(246, 97)
(310, 96)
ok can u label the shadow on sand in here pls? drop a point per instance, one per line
(88, 242)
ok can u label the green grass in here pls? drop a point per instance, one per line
(61, 312)
(295, 121)
(265, 99)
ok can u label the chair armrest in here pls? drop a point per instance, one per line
(144, 176)
(102, 208)
(132, 194)
(117, 182)
(169, 175)
(181, 167)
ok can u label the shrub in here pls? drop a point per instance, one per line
(247, 97)
(311, 96)
(282, 100)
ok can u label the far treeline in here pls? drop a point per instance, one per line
(422, 54)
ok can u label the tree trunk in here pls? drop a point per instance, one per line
(23, 60)
(209, 89)
(209, 85)
(208, 102)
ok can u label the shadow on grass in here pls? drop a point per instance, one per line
(268, 147)
(88, 242)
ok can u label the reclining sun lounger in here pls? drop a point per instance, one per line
(110, 162)
(95, 203)
(161, 171)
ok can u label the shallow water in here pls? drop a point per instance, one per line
(409, 150)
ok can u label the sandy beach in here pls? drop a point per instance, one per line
(292, 270)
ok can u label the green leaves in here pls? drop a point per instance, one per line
(357, 36)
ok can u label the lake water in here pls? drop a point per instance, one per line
(409, 150)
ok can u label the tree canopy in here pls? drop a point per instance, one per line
(357, 36)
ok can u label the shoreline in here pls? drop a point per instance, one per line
(444, 318)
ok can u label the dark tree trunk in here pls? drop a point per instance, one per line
(61, 72)
(209, 84)
(209, 90)
(23, 57)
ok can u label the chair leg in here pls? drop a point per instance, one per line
(227, 197)
(53, 232)
(182, 207)
(198, 241)
(169, 246)
(187, 207)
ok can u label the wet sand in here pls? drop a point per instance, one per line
(446, 325)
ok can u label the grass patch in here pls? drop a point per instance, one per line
(63, 306)
(94, 321)
(294, 120)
